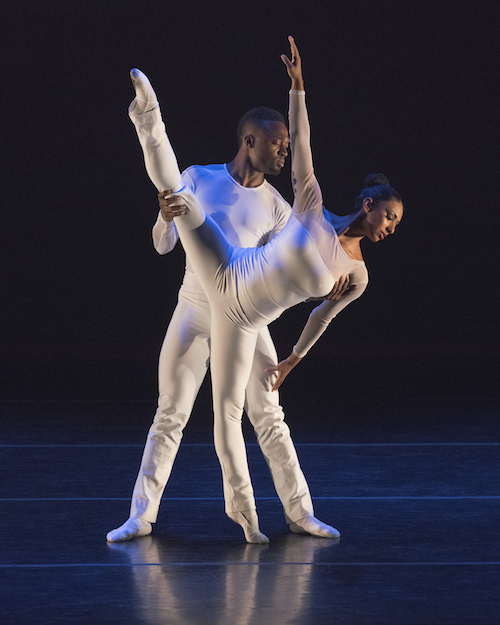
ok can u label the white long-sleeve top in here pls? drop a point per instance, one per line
(248, 216)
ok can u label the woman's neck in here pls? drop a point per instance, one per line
(346, 222)
(341, 223)
(349, 233)
(351, 245)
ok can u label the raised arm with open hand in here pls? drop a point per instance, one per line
(294, 66)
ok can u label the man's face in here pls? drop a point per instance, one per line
(270, 147)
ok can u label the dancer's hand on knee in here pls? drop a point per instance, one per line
(282, 369)
(171, 205)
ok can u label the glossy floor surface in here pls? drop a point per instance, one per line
(414, 488)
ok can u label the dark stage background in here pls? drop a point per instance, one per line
(406, 88)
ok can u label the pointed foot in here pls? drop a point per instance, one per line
(145, 98)
(250, 524)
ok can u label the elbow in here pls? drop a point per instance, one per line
(162, 249)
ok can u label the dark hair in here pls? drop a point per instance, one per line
(255, 117)
(378, 188)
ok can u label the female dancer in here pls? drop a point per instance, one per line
(249, 288)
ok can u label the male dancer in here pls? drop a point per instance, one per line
(250, 212)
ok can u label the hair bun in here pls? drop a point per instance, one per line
(373, 180)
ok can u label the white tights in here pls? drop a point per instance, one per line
(183, 365)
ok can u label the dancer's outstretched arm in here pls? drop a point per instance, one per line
(318, 321)
(294, 66)
(307, 193)
(308, 198)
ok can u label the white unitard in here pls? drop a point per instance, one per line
(249, 217)
(249, 288)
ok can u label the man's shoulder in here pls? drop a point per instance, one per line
(198, 171)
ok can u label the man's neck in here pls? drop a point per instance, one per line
(241, 170)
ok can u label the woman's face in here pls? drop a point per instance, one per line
(382, 218)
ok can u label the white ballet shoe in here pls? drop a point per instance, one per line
(250, 523)
(132, 528)
(312, 525)
(145, 97)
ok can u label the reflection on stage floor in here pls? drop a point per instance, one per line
(417, 503)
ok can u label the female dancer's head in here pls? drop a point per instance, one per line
(380, 208)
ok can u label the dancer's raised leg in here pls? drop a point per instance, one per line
(159, 157)
(209, 247)
(145, 98)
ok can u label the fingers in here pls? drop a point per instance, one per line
(293, 48)
(176, 201)
(338, 288)
(341, 288)
(171, 205)
(277, 383)
(169, 198)
(342, 284)
(274, 369)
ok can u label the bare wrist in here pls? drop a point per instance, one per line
(293, 359)
(297, 84)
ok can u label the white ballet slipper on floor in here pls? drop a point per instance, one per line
(132, 528)
(312, 525)
(250, 523)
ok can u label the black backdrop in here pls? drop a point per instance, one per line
(406, 88)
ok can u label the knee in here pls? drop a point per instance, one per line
(171, 413)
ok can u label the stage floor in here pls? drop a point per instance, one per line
(413, 486)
